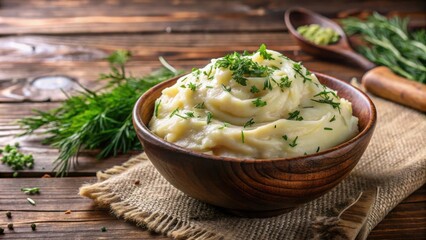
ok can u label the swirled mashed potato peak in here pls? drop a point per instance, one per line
(260, 105)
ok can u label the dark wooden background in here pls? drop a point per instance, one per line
(40, 37)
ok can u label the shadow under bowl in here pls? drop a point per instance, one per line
(256, 187)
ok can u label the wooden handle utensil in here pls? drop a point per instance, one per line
(382, 82)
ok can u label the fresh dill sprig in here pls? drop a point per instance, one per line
(390, 44)
(96, 119)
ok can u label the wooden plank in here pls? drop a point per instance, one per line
(143, 46)
(58, 195)
(17, 77)
(407, 220)
(64, 17)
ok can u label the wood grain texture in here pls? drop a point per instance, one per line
(199, 30)
(407, 220)
(57, 196)
(256, 187)
(72, 17)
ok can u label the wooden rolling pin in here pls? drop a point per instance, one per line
(382, 82)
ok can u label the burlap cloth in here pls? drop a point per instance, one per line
(394, 162)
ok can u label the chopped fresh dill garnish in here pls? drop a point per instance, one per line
(209, 117)
(327, 128)
(242, 136)
(285, 83)
(182, 86)
(196, 72)
(190, 114)
(259, 102)
(209, 73)
(318, 148)
(285, 137)
(157, 105)
(308, 107)
(226, 88)
(254, 89)
(199, 105)
(297, 67)
(242, 67)
(249, 123)
(333, 118)
(174, 112)
(262, 51)
(267, 84)
(327, 99)
(225, 124)
(295, 116)
(294, 144)
(192, 86)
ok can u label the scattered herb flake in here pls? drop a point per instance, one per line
(242, 136)
(249, 123)
(294, 142)
(103, 229)
(285, 137)
(157, 105)
(284, 83)
(199, 105)
(9, 214)
(297, 67)
(254, 89)
(226, 88)
(209, 117)
(318, 149)
(33, 226)
(295, 116)
(190, 114)
(224, 125)
(259, 103)
(174, 112)
(31, 191)
(264, 53)
(192, 86)
(327, 128)
(333, 118)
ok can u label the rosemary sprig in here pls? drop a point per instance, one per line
(96, 120)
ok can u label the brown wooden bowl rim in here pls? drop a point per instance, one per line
(139, 125)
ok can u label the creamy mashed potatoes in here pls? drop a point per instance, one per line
(260, 105)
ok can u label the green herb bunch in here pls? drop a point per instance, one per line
(391, 44)
(14, 158)
(96, 120)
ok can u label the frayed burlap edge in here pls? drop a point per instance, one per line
(155, 221)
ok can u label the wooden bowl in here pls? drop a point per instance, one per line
(256, 187)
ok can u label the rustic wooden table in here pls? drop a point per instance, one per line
(41, 37)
